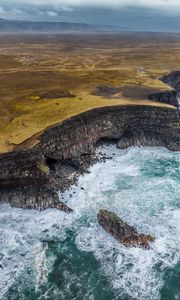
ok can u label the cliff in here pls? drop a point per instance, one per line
(31, 178)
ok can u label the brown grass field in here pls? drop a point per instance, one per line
(45, 79)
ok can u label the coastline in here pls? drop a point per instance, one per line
(31, 178)
(138, 184)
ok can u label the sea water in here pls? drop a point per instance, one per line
(58, 256)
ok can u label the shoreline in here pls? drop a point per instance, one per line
(127, 185)
(31, 178)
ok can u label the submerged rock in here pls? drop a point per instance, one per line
(121, 231)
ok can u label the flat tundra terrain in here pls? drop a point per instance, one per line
(45, 79)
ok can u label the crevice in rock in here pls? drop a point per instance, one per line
(51, 162)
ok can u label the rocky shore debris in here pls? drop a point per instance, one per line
(122, 232)
(103, 157)
(61, 206)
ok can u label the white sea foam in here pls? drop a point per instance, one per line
(146, 203)
(125, 185)
(20, 241)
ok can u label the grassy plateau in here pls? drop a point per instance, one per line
(45, 78)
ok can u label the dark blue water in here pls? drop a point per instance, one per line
(51, 255)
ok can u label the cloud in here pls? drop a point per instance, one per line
(51, 13)
(67, 8)
(2, 11)
(103, 3)
(56, 8)
(90, 11)
(12, 11)
(16, 11)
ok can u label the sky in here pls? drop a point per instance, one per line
(155, 15)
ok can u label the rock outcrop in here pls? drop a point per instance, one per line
(170, 97)
(122, 232)
(173, 80)
(67, 149)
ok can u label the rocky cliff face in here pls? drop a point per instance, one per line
(170, 97)
(31, 178)
(165, 97)
(173, 79)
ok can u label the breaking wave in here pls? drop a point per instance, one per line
(52, 255)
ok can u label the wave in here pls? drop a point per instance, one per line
(142, 186)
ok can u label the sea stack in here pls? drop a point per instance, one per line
(122, 232)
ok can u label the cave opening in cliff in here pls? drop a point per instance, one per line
(105, 141)
(51, 163)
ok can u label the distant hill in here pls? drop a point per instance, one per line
(30, 26)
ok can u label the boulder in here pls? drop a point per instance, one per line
(122, 232)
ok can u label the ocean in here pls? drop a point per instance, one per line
(58, 256)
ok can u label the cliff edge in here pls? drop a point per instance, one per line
(32, 177)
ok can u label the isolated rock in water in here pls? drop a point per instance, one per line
(121, 231)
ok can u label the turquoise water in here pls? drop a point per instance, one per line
(52, 255)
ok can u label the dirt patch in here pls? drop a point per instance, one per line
(134, 91)
(106, 91)
(128, 91)
(53, 94)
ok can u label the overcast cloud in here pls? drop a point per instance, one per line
(103, 3)
(114, 4)
(128, 14)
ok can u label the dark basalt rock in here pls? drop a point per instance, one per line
(172, 79)
(121, 231)
(33, 197)
(66, 150)
(168, 97)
